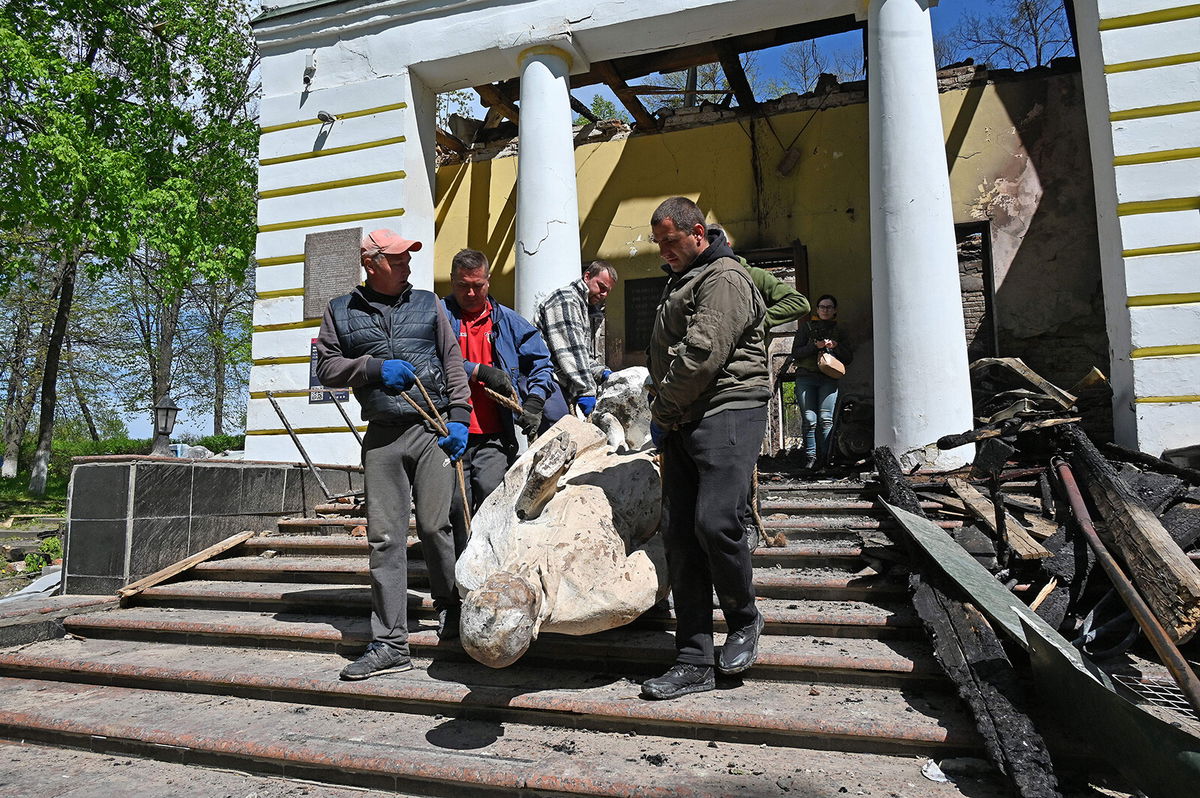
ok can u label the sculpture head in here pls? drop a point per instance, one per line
(500, 619)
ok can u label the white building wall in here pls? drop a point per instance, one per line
(1141, 69)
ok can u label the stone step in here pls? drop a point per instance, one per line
(802, 506)
(626, 649)
(783, 616)
(845, 522)
(830, 552)
(769, 582)
(426, 754)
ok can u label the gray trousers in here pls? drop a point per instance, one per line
(485, 463)
(403, 465)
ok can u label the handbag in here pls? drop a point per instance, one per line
(830, 366)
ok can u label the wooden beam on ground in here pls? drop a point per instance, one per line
(448, 141)
(731, 64)
(1163, 574)
(644, 119)
(492, 95)
(133, 588)
(1019, 539)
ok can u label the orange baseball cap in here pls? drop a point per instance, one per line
(387, 242)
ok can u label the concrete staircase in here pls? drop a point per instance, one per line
(235, 664)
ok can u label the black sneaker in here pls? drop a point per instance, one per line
(448, 620)
(681, 679)
(379, 659)
(740, 649)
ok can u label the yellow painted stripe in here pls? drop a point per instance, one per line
(304, 430)
(279, 394)
(1150, 300)
(1145, 400)
(1157, 157)
(280, 361)
(281, 260)
(290, 325)
(1150, 17)
(348, 115)
(280, 292)
(304, 156)
(1166, 351)
(322, 220)
(1169, 249)
(1153, 63)
(1158, 206)
(382, 177)
(1155, 110)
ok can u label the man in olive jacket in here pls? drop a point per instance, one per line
(708, 364)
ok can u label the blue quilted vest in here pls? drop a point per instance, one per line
(409, 333)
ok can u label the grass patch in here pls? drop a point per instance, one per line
(15, 498)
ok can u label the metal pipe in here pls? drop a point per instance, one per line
(346, 416)
(296, 440)
(1182, 672)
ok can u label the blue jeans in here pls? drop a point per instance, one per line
(816, 395)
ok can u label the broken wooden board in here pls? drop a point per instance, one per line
(133, 588)
(1022, 543)
(1162, 573)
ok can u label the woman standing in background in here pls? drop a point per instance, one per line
(817, 393)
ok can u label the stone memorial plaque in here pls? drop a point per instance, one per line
(641, 301)
(331, 267)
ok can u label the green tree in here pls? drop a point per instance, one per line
(604, 108)
(126, 126)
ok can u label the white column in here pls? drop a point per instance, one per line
(419, 129)
(922, 389)
(547, 208)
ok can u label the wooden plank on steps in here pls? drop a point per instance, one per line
(1022, 543)
(133, 588)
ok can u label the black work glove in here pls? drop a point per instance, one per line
(494, 378)
(531, 415)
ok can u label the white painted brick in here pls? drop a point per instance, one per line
(1160, 229)
(332, 202)
(337, 448)
(282, 343)
(300, 414)
(1167, 376)
(358, 163)
(1158, 181)
(1163, 426)
(1174, 273)
(279, 278)
(342, 133)
(1156, 133)
(1151, 41)
(1144, 88)
(1165, 325)
(279, 377)
(280, 310)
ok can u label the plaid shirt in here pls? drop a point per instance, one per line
(566, 325)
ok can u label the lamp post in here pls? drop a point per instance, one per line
(165, 413)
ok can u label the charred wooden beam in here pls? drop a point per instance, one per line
(1012, 534)
(731, 64)
(581, 109)
(1164, 575)
(449, 141)
(971, 654)
(1153, 463)
(493, 95)
(644, 119)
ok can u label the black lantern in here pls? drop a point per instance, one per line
(165, 411)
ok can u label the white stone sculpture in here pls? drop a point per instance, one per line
(568, 543)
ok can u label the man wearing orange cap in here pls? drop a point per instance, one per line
(379, 339)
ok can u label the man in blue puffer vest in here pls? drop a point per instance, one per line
(379, 339)
(504, 352)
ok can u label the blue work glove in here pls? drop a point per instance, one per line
(657, 435)
(455, 443)
(398, 374)
(604, 375)
(587, 404)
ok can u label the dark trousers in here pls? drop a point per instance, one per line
(485, 462)
(706, 466)
(403, 465)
